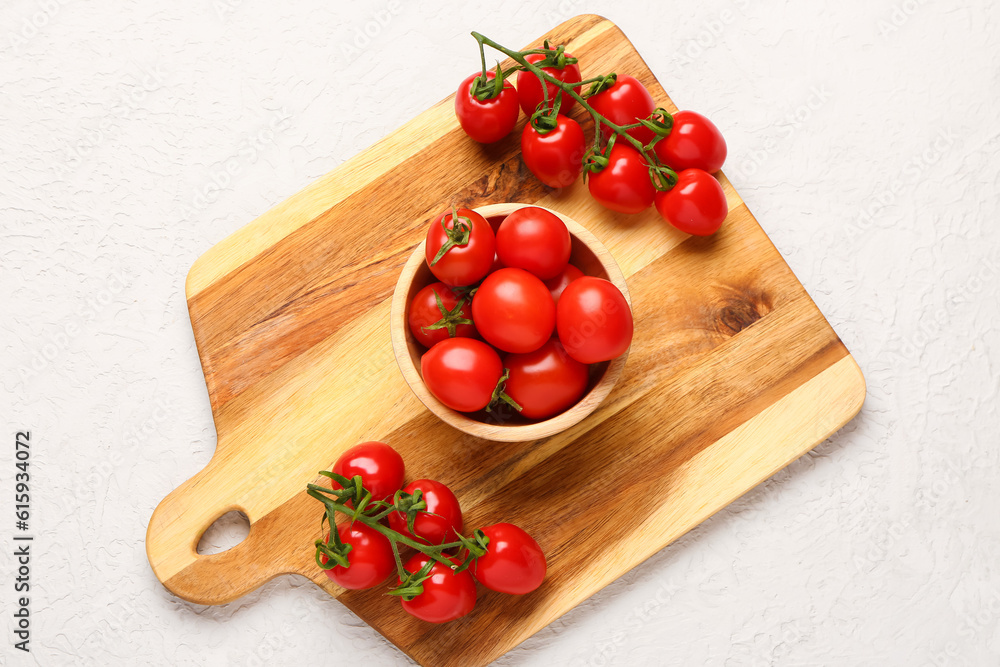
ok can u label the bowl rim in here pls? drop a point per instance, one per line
(398, 328)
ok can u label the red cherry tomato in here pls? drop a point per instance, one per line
(447, 596)
(488, 120)
(694, 142)
(624, 103)
(513, 562)
(696, 205)
(425, 312)
(513, 311)
(529, 88)
(558, 284)
(370, 558)
(545, 382)
(624, 184)
(439, 523)
(380, 466)
(555, 157)
(594, 320)
(535, 240)
(460, 264)
(462, 373)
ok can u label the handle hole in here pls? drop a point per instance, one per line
(225, 533)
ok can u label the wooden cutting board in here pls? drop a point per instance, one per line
(733, 373)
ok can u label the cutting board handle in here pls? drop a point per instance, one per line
(175, 529)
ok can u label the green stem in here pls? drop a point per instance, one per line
(373, 522)
(570, 89)
(399, 561)
(482, 57)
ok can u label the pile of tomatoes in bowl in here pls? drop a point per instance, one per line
(512, 309)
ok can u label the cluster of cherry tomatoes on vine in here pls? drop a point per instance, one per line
(642, 156)
(437, 583)
(515, 289)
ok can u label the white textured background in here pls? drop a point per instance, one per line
(862, 134)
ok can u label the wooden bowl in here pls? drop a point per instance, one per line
(589, 255)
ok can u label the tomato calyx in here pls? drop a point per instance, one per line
(500, 395)
(485, 88)
(336, 553)
(545, 120)
(473, 548)
(596, 158)
(663, 177)
(601, 84)
(351, 491)
(411, 585)
(408, 505)
(450, 319)
(458, 235)
(553, 57)
(661, 122)
(477, 545)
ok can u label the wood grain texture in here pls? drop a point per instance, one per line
(732, 374)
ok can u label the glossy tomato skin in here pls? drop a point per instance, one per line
(624, 184)
(424, 312)
(513, 562)
(461, 264)
(514, 310)
(557, 284)
(694, 142)
(489, 120)
(535, 240)
(695, 205)
(624, 103)
(529, 88)
(462, 373)
(440, 522)
(380, 466)
(556, 157)
(371, 559)
(545, 382)
(447, 596)
(594, 320)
